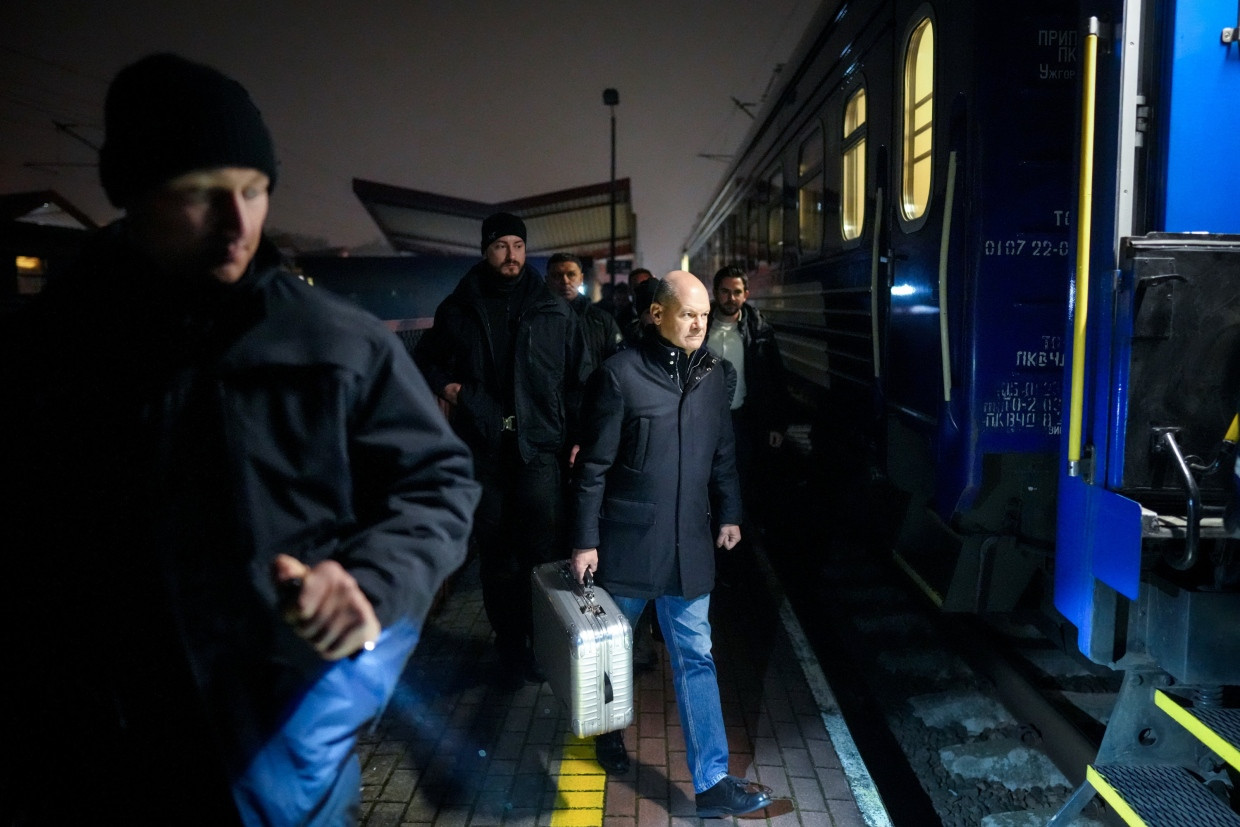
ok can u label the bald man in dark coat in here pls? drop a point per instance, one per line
(657, 453)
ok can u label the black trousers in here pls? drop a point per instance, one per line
(516, 528)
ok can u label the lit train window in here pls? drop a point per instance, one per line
(775, 218)
(918, 120)
(852, 197)
(810, 193)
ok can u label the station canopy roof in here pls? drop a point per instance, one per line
(45, 207)
(572, 221)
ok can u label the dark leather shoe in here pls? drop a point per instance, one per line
(610, 753)
(732, 797)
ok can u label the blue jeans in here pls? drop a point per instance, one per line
(307, 773)
(686, 631)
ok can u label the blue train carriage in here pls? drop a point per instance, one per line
(1143, 569)
(903, 204)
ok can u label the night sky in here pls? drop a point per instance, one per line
(481, 100)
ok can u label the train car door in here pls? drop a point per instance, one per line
(912, 381)
(981, 174)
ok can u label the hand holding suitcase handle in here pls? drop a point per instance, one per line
(583, 561)
(585, 590)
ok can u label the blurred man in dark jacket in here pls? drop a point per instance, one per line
(565, 277)
(656, 455)
(509, 360)
(634, 325)
(231, 498)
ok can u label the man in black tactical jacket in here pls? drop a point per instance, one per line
(509, 360)
(565, 277)
(230, 499)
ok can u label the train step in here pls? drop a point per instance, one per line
(1159, 797)
(1218, 729)
(1165, 795)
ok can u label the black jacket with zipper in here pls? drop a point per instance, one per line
(656, 460)
(549, 364)
(766, 391)
(161, 442)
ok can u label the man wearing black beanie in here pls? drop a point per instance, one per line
(509, 360)
(233, 496)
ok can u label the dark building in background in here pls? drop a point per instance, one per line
(40, 234)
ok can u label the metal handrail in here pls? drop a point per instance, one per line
(875, 255)
(944, 243)
(1192, 528)
(1084, 210)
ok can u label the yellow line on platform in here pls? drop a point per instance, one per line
(581, 785)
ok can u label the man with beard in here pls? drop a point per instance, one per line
(760, 403)
(509, 360)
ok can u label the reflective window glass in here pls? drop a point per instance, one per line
(918, 117)
(775, 218)
(852, 195)
(810, 193)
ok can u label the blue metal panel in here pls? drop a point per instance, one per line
(1202, 122)
(1073, 576)
(1116, 535)
(1098, 537)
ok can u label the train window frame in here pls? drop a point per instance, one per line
(807, 175)
(915, 206)
(853, 146)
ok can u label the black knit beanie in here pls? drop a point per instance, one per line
(166, 116)
(499, 225)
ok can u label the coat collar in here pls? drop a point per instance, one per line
(683, 370)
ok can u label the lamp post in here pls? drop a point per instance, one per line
(610, 99)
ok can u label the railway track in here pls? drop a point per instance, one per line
(961, 722)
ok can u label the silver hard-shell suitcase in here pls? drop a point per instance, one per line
(585, 647)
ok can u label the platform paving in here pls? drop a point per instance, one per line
(454, 750)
